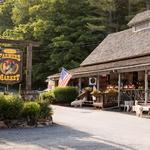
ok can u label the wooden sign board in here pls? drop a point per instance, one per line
(10, 66)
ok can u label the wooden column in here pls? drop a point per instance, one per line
(119, 88)
(146, 86)
(79, 85)
(29, 68)
(98, 82)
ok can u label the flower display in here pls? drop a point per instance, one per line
(129, 86)
(111, 89)
(88, 89)
(96, 93)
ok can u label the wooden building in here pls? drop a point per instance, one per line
(121, 61)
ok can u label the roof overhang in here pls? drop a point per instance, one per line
(129, 65)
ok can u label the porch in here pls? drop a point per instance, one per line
(129, 77)
(127, 86)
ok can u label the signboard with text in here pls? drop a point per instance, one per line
(10, 66)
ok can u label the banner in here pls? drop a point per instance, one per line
(10, 66)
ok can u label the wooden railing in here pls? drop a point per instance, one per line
(135, 94)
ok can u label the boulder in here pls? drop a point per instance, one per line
(2, 125)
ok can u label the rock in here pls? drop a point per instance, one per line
(40, 125)
(2, 125)
(47, 123)
(22, 125)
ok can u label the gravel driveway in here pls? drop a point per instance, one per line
(82, 129)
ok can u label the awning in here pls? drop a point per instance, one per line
(128, 65)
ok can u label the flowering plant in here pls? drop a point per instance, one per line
(96, 93)
(88, 89)
(111, 90)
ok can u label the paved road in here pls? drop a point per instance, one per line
(82, 129)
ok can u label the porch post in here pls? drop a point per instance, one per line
(98, 82)
(79, 85)
(146, 86)
(119, 87)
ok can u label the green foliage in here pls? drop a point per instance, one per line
(65, 94)
(3, 105)
(31, 112)
(11, 107)
(5, 16)
(31, 109)
(45, 110)
(14, 108)
(68, 30)
(48, 97)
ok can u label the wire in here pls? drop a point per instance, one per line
(86, 45)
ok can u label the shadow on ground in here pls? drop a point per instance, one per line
(56, 137)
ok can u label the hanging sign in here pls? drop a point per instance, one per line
(10, 66)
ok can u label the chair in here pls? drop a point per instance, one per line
(128, 105)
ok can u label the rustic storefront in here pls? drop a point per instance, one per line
(121, 62)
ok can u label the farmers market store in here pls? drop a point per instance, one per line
(120, 65)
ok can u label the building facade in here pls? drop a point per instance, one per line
(121, 61)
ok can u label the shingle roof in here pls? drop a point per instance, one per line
(100, 68)
(141, 17)
(122, 49)
(121, 45)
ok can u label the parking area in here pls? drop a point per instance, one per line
(82, 129)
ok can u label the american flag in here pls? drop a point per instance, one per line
(65, 76)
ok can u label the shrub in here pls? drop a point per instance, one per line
(3, 106)
(12, 107)
(65, 94)
(45, 110)
(47, 96)
(31, 112)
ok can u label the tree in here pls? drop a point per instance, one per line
(5, 16)
(68, 30)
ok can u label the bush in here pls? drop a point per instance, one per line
(65, 94)
(45, 110)
(3, 106)
(12, 107)
(31, 112)
(47, 96)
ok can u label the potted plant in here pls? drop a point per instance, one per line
(96, 93)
